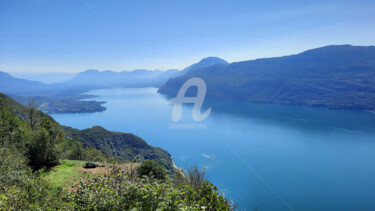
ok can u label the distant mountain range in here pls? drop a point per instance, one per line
(48, 78)
(64, 97)
(339, 76)
(12, 85)
(94, 79)
(135, 78)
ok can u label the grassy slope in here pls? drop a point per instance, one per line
(70, 171)
(65, 174)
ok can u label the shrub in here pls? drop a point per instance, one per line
(195, 176)
(115, 191)
(152, 168)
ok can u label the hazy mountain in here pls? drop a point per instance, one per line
(91, 79)
(136, 78)
(341, 76)
(84, 81)
(12, 85)
(47, 78)
(206, 62)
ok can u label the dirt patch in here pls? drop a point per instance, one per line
(105, 169)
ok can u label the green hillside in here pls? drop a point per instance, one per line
(121, 146)
(41, 169)
(18, 109)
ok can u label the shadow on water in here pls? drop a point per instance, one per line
(299, 117)
(295, 116)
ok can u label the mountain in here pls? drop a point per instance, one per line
(135, 78)
(65, 97)
(47, 78)
(124, 146)
(206, 62)
(108, 79)
(337, 76)
(12, 85)
(72, 85)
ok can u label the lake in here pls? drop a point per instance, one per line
(275, 157)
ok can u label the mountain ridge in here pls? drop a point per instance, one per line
(336, 76)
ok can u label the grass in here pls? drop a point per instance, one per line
(70, 171)
(65, 174)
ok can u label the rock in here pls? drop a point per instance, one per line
(90, 166)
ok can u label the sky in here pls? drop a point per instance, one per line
(75, 35)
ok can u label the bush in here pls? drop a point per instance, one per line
(41, 150)
(34, 193)
(13, 167)
(152, 168)
(116, 191)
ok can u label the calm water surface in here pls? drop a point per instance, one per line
(276, 157)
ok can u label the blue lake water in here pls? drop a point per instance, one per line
(276, 157)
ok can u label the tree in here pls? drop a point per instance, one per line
(41, 146)
(32, 113)
(9, 125)
(196, 176)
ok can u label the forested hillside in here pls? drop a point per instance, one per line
(122, 146)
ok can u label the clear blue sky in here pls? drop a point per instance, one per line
(74, 35)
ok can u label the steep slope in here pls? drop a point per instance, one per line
(332, 76)
(18, 109)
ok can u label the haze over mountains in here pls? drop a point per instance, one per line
(48, 78)
(12, 85)
(94, 79)
(338, 76)
(136, 78)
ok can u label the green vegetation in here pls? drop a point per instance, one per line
(18, 109)
(65, 174)
(71, 103)
(117, 191)
(152, 168)
(33, 178)
(122, 146)
(97, 143)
